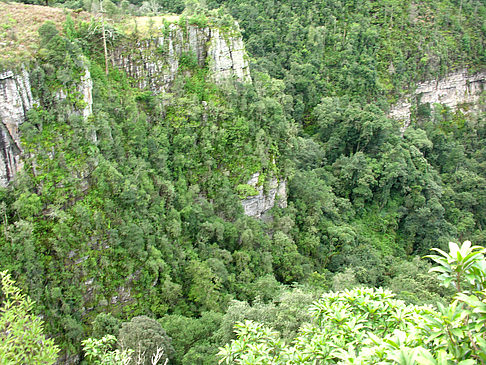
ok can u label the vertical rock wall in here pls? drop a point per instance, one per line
(275, 193)
(227, 58)
(154, 63)
(456, 90)
(15, 101)
(85, 88)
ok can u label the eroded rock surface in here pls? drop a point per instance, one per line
(15, 101)
(228, 58)
(275, 193)
(457, 90)
(154, 63)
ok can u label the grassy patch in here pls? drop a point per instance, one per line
(19, 24)
(145, 25)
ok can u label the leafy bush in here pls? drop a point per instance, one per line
(100, 352)
(22, 339)
(370, 326)
(145, 336)
(105, 324)
(245, 191)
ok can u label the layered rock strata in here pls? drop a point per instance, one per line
(457, 90)
(269, 194)
(15, 100)
(154, 63)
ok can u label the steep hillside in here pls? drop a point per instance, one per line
(206, 168)
(125, 181)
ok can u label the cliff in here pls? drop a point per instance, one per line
(15, 100)
(275, 192)
(458, 90)
(152, 63)
(155, 62)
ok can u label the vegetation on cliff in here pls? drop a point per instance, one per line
(135, 211)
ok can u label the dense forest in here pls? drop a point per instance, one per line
(126, 227)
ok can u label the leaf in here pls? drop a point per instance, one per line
(424, 357)
(457, 332)
(454, 249)
(467, 362)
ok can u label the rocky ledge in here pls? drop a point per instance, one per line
(457, 90)
(269, 194)
(154, 63)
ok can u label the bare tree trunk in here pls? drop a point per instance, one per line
(460, 12)
(104, 37)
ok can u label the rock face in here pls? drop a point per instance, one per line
(276, 193)
(456, 90)
(85, 88)
(15, 101)
(154, 63)
(228, 57)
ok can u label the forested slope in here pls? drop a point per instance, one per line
(135, 209)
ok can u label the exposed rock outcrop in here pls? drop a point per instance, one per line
(154, 63)
(227, 57)
(85, 89)
(457, 90)
(275, 193)
(15, 101)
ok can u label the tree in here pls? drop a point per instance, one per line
(100, 352)
(146, 337)
(22, 339)
(104, 37)
(194, 339)
(105, 324)
(369, 326)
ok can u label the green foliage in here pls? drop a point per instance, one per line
(194, 339)
(286, 312)
(245, 191)
(346, 325)
(411, 281)
(146, 337)
(359, 48)
(463, 263)
(59, 51)
(133, 210)
(22, 338)
(369, 326)
(469, 264)
(188, 61)
(100, 352)
(136, 209)
(105, 324)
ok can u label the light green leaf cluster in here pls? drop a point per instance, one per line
(465, 267)
(99, 351)
(369, 326)
(362, 325)
(22, 339)
(256, 344)
(461, 263)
